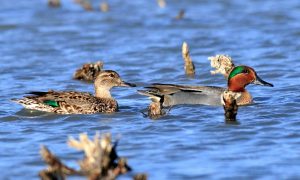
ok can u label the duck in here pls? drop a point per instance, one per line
(72, 102)
(238, 78)
(89, 71)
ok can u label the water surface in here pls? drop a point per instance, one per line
(41, 47)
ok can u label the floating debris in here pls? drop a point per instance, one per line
(155, 110)
(140, 177)
(100, 157)
(180, 15)
(161, 3)
(100, 160)
(86, 4)
(229, 101)
(104, 7)
(54, 3)
(56, 169)
(89, 71)
(222, 63)
(189, 66)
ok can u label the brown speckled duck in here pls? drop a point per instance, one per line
(71, 102)
(89, 71)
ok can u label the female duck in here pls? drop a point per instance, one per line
(71, 102)
(238, 79)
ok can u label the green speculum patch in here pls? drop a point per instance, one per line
(51, 103)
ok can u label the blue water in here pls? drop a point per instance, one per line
(41, 47)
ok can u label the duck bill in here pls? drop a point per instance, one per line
(259, 81)
(126, 84)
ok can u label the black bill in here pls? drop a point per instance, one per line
(126, 84)
(259, 81)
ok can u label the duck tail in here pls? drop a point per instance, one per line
(15, 100)
(31, 103)
(24, 101)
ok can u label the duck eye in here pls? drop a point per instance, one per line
(246, 71)
(111, 75)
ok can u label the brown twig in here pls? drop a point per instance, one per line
(189, 66)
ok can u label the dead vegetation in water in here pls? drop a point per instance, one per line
(189, 66)
(223, 64)
(229, 101)
(161, 3)
(104, 6)
(89, 71)
(140, 177)
(100, 160)
(85, 4)
(56, 169)
(180, 14)
(54, 3)
(155, 110)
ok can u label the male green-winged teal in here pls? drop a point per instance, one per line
(71, 102)
(238, 79)
(89, 71)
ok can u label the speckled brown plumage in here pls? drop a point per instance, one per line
(69, 102)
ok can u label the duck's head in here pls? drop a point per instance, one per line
(109, 79)
(241, 76)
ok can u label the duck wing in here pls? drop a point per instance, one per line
(52, 98)
(64, 102)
